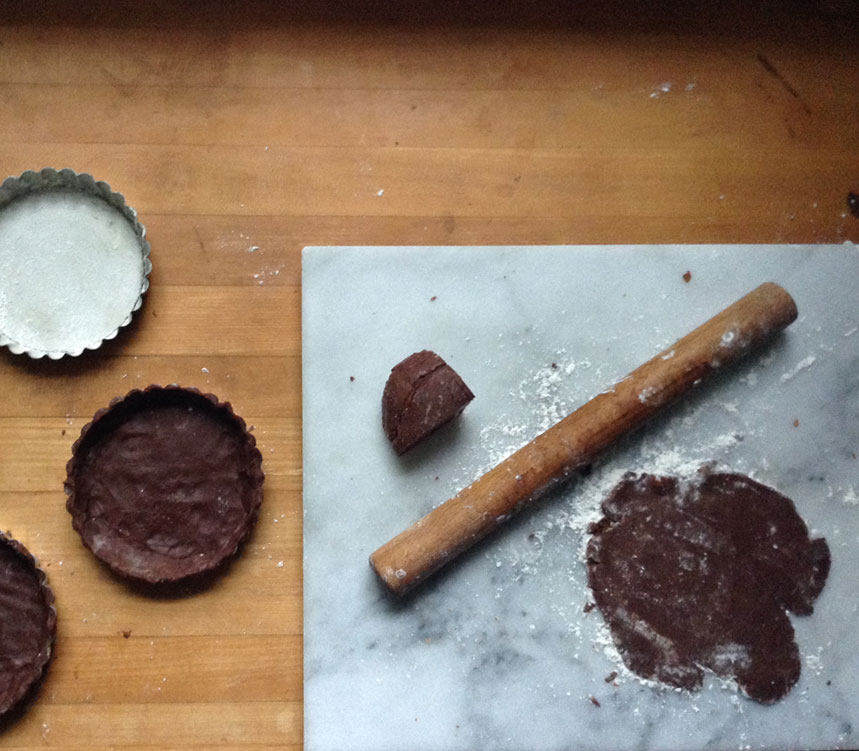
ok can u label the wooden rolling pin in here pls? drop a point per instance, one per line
(575, 441)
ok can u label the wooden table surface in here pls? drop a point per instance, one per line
(243, 132)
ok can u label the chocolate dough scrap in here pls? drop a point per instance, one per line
(422, 393)
(164, 484)
(700, 574)
(27, 622)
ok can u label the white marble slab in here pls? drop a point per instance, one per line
(496, 652)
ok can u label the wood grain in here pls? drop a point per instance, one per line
(242, 133)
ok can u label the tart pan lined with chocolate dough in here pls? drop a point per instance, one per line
(164, 484)
(28, 622)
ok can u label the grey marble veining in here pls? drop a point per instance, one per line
(496, 652)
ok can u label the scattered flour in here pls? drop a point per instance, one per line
(801, 365)
(668, 86)
(663, 88)
(814, 661)
(851, 496)
(267, 272)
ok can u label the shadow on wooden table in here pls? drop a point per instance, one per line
(742, 18)
(175, 590)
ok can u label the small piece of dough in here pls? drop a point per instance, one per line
(700, 574)
(422, 393)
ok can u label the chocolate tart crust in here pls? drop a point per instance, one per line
(164, 484)
(28, 622)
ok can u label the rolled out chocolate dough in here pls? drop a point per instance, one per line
(700, 574)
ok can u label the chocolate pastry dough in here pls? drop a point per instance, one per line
(700, 574)
(165, 484)
(422, 393)
(28, 622)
